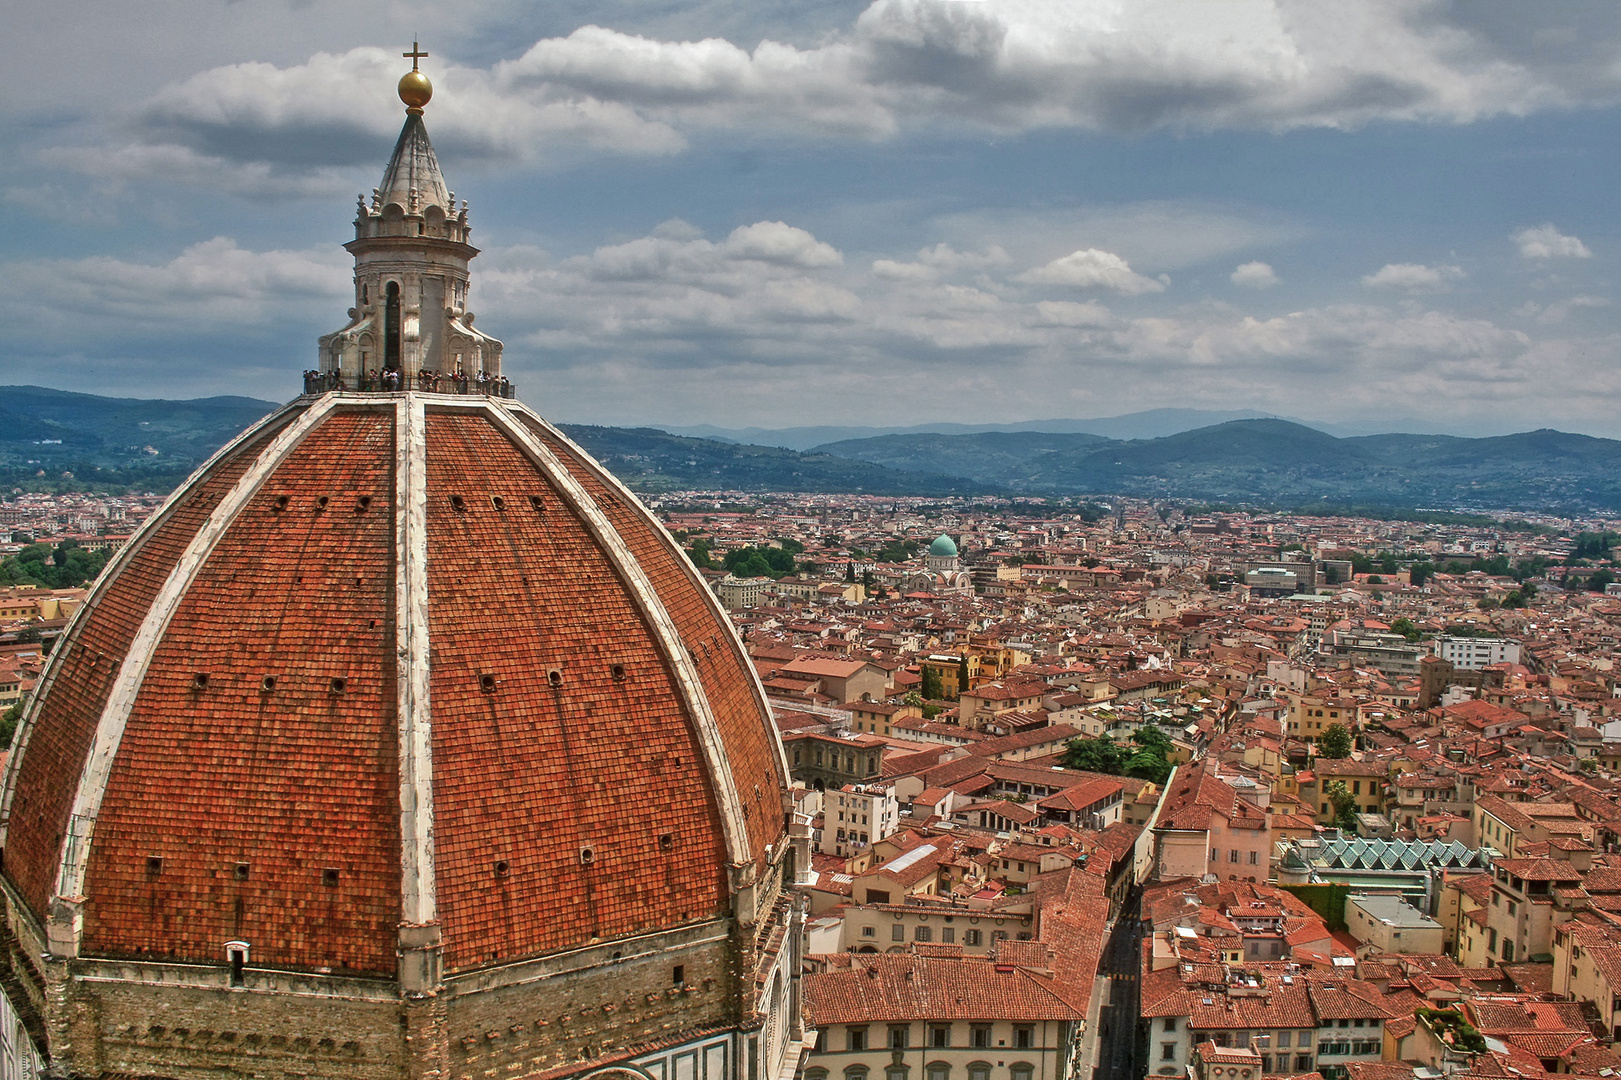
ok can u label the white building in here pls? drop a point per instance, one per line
(736, 592)
(854, 816)
(1477, 652)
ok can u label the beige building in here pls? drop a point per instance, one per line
(895, 927)
(991, 699)
(737, 593)
(847, 681)
(878, 718)
(1509, 826)
(985, 1020)
(1388, 924)
(1516, 925)
(1587, 967)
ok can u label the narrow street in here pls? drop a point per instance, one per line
(1117, 1055)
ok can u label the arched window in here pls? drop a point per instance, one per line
(979, 1070)
(896, 1072)
(855, 1072)
(391, 327)
(1021, 1070)
(815, 1074)
(938, 1070)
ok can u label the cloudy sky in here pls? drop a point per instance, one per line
(1400, 215)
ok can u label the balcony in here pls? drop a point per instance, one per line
(392, 382)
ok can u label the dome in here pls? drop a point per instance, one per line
(401, 741)
(943, 547)
(424, 657)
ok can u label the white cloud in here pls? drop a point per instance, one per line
(778, 242)
(1090, 268)
(1254, 275)
(1547, 242)
(208, 287)
(773, 311)
(945, 258)
(1413, 277)
(1560, 310)
(941, 260)
(1069, 313)
(891, 270)
(1002, 65)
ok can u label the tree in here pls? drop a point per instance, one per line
(930, 686)
(1335, 742)
(1420, 572)
(8, 723)
(962, 675)
(1593, 545)
(1344, 803)
(1597, 582)
(1589, 764)
(1148, 758)
(759, 562)
(1148, 765)
(1375, 579)
(64, 567)
(1101, 755)
(698, 552)
(1406, 628)
(1154, 740)
(1387, 564)
(850, 573)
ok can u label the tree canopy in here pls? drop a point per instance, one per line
(1335, 742)
(1344, 804)
(1406, 628)
(1146, 757)
(66, 566)
(759, 562)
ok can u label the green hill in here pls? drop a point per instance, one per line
(54, 440)
(651, 460)
(988, 456)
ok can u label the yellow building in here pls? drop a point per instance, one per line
(1587, 968)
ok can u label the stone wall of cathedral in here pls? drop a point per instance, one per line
(148, 1018)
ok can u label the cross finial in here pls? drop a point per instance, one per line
(415, 54)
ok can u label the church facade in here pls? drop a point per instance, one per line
(402, 742)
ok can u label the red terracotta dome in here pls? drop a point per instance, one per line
(393, 659)
(402, 743)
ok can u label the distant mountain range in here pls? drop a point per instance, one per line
(124, 443)
(1277, 462)
(112, 444)
(1148, 424)
(651, 460)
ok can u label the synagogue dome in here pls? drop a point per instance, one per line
(943, 547)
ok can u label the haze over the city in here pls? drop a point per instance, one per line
(1395, 215)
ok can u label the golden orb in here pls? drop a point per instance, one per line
(415, 89)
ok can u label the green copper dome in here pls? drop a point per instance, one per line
(944, 547)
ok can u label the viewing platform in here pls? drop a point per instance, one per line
(390, 382)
